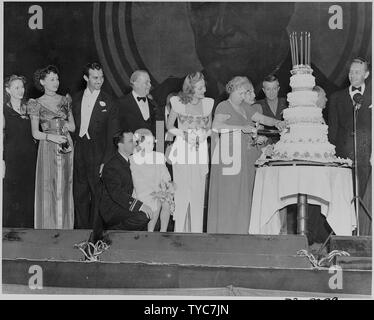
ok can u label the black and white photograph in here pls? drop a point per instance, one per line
(187, 150)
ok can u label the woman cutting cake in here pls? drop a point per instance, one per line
(231, 182)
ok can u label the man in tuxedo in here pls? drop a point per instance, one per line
(272, 105)
(137, 110)
(117, 208)
(340, 120)
(96, 118)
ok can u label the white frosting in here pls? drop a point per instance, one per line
(321, 152)
(305, 142)
(303, 114)
(306, 81)
(308, 133)
(302, 98)
(306, 136)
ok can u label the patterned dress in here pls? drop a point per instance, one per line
(54, 208)
(190, 158)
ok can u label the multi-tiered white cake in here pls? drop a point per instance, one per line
(306, 135)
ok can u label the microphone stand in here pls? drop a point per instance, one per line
(356, 194)
(358, 201)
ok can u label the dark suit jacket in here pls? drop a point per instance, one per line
(117, 203)
(266, 111)
(282, 104)
(341, 130)
(130, 116)
(103, 124)
(341, 122)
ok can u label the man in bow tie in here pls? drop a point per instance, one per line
(96, 119)
(137, 110)
(340, 120)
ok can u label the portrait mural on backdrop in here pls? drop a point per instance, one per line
(221, 39)
(226, 39)
(233, 52)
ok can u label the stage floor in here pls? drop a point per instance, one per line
(182, 293)
(188, 264)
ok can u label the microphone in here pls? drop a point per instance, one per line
(358, 100)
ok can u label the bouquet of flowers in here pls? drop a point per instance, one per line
(65, 109)
(166, 194)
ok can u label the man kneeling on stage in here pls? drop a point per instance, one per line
(117, 208)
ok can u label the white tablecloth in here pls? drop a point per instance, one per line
(278, 186)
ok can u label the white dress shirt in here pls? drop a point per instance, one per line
(168, 135)
(88, 102)
(124, 156)
(352, 93)
(143, 106)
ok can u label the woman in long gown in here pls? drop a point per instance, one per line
(19, 157)
(189, 153)
(231, 182)
(54, 207)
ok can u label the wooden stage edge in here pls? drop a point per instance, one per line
(142, 260)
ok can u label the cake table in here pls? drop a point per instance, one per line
(281, 183)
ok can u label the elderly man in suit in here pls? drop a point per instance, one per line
(137, 110)
(96, 118)
(340, 120)
(117, 208)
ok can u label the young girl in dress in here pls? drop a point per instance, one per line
(151, 179)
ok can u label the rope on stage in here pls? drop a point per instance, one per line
(324, 261)
(92, 251)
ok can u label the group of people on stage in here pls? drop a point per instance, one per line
(88, 161)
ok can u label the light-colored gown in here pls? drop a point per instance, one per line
(54, 207)
(148, 172)
(190, 167)
(230, 194)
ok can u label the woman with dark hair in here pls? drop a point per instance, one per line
(54, 170)
(189, 153)
(19, 157)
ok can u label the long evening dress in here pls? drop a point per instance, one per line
(190, 167)
(20, 159)
(232, 182)
(54, 208)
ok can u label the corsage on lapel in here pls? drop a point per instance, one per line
(103, 105)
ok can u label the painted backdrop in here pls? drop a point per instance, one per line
(171, 39)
